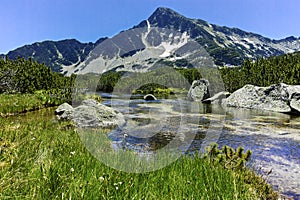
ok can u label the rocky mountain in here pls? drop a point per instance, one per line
(144, 48)
(55, 54)
(226, 45)
(165, 38)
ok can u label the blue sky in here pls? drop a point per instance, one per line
(28, 21)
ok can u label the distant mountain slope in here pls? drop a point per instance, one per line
(55, 54)
(227, 46)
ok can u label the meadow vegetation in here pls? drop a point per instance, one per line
(41, 158)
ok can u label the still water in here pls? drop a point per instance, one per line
(274, 138)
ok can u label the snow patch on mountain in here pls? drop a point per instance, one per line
(171, 46)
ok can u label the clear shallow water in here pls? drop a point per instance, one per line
(274, 138)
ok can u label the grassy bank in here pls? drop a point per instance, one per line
(12, 104)
(21, 103)
(41, 158)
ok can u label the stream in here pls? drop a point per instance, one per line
(274, 138)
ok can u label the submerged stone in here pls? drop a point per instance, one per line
(150, 97)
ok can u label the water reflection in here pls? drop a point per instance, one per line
(274, 138)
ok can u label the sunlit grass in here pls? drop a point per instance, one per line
(20, 103)
(41, 158)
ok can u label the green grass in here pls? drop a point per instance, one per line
(20, 103)
(41, 158)
(16, 103)
(11, 104)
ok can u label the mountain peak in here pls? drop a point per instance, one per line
(162, 17)
(164, 11)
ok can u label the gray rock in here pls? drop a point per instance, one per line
(278, 98)
(91, 114)
(217, 98)
(295, 101)
(64, 111)
(199, 90)
(150, 97)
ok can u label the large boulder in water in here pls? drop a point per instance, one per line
(278, 98)
(92, 114)
(199, 90)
